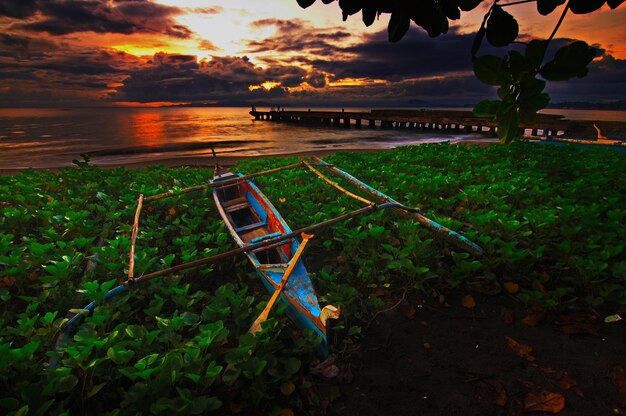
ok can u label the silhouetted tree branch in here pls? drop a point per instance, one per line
(521, 77)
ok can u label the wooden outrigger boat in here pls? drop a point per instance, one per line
(251, 218)
(272, 247)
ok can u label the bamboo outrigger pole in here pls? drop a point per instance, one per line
(220, 183)
(70, 324)
(440, 231)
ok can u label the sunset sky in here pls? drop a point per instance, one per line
(236, 52)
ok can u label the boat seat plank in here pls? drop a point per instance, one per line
(235, 201)
(237, 207)
(250, 227)
(265, 237)
(258, 232)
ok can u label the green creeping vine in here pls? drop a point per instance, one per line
(551, 220)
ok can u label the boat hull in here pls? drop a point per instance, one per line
(251, 218)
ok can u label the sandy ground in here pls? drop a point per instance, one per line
(207, 161)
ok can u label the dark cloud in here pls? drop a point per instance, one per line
(18, 9)
(59, 76)
(316, 79)
(22, 75)
(14, 41)
(174, 78)
(61, 17)
(224, 79)
(297, 35)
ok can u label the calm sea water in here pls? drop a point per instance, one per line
(53, 137)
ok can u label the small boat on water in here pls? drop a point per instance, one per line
(251, 219)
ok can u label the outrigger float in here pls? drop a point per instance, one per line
(272, 247)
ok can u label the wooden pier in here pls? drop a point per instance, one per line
(440, 120)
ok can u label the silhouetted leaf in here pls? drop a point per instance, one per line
(305, 3)
(349, 7)
(398, 25)
(467, 5)
(518, 67)
(508, 123)
(546, 7)
(369, 15)
(613, 4)
(451, 9)
(489, 69)
(327, 1)
(429, 16)
(569, 61)
(486, 108)
(533, 87)
(502, 28)
(585, 6)
(478, 40)
(384, 6)
(535, 51)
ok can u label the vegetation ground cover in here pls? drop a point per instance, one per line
(551, 222)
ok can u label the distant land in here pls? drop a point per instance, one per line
(614, 105)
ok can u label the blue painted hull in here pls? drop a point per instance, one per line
(251, 218)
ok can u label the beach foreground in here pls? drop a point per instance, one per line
(425, 328)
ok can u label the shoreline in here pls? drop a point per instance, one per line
(206, 162)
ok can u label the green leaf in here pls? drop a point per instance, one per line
(398, 25)
(9, 403)
(65, 383)
(508, 123)
(292, 366)
(119, 355)
(95, 389)
(22, 412)
(213, 370)
(502, 28)
(490, 70)
(146, 361)
(487, 108)
(48, 318)
(354, 330)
